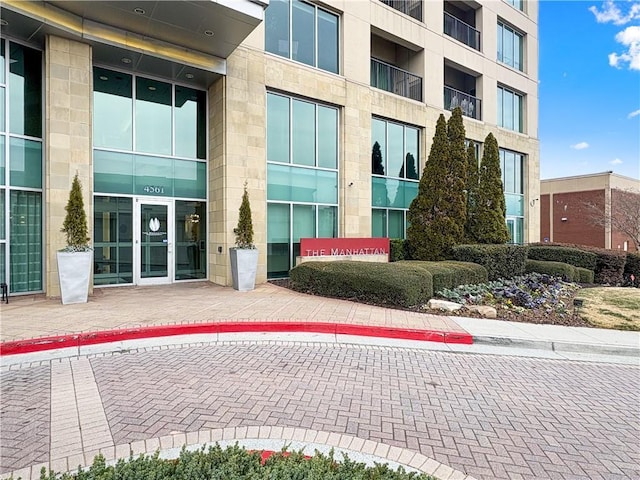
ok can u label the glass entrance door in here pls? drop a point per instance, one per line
(154, 241)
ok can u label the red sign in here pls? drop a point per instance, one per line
(314, 247)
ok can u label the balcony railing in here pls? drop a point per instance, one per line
(413, 8)
(461, 31)
(394, 80)
(471, 106)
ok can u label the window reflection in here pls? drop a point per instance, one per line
(153, 116)
(113, 109)
(25, 90)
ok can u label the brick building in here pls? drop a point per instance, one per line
(578, 209)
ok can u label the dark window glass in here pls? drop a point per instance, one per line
(25, 91)
(191, 244)
(327, 41)
(112, 244)
(191, 123)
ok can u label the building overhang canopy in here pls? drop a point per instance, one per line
(158, 37)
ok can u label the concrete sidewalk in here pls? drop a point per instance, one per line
(198, 303)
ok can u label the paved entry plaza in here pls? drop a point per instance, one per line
(453, 413)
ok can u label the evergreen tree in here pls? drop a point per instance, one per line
(490, 224)
(472, 193)
(456, 180)
(75, 221)
(424, 214)
(244, 230)
(377, 167)
(438, 213)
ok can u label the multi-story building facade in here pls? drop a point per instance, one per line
(594, 209)
(325, 109)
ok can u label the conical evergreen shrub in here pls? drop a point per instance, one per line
(244, 230)
(75, 221)
(472, 194)
(490, 223)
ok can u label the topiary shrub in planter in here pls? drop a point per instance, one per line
(396, 283)
(501, 261)
(74, 261)
(244, 256)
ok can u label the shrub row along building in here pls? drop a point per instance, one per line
(165, 108)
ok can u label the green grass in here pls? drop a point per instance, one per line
(605, 307)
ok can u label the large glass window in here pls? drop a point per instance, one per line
(303, 32)
(25, 91)
(190, 256)
(169, 126)
(510, 46)
(113, 109)
(302, 181)
(519, 4)
(153, 116)
(113, 240)
(512, 166)
(25, 241)
(510, 109)
(150, 139)
(21, 167)
(395, 169)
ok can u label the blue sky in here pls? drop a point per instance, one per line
(589, 87)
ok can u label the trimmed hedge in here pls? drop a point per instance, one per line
(557, 253)
(632, 268)
(397, 249)
(585, 275)
(451, 274)
(567, 272)
(235, 463)
(397, 283)
(501, 261)
(609, 267)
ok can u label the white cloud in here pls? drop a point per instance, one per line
(615, 161)
(611, 13)
(634, 114)
(580, 146)
(630, 38)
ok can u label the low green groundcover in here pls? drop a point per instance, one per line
(235, 463)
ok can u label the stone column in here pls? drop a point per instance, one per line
(67, 142)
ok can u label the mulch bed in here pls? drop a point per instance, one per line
(539, 316)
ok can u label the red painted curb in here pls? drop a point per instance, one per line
(78, 340)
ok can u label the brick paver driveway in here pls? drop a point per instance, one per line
(493, 417)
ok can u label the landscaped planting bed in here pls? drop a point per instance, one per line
(236, 463)
(534, 297)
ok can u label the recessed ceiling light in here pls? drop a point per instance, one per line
(103, 78)
(139, 11)
(208, 33)
(189, 75)
(152, 88)
(126, 60)
(3, 22)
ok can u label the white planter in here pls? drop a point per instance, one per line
(74, 272)
(244, 265)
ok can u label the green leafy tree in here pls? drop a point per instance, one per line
(490, 225)
(244, 230)
(472, 193)
(75, 221)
